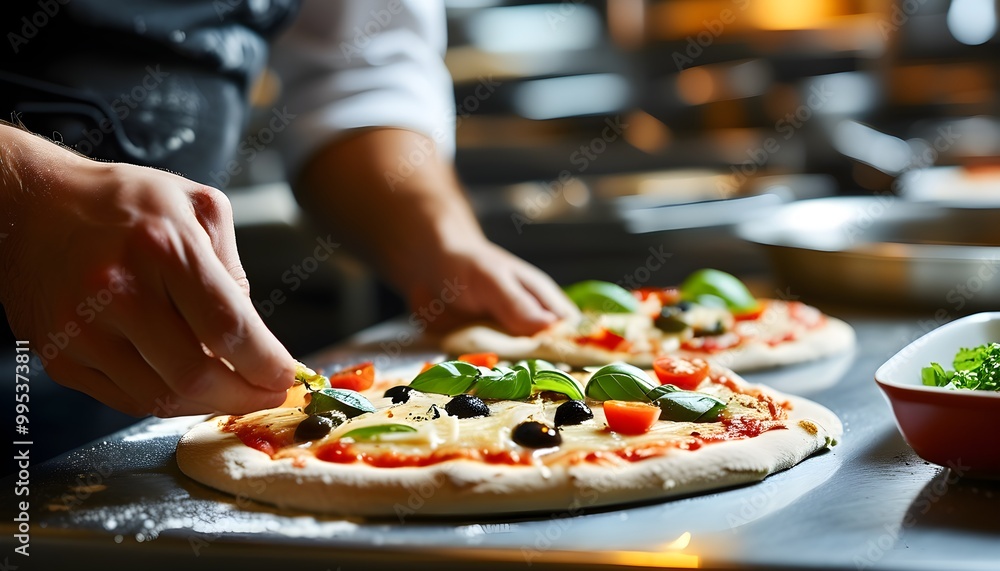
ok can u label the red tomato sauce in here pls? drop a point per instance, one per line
(256, 436)
(343, 453)
(713, 344)
(739, 428)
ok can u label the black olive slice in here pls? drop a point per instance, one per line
(572, 412)
(467, 406)
(314, 427)
(398, 394)
(532, 434)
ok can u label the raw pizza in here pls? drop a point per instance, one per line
(476, 437)
(712, 315)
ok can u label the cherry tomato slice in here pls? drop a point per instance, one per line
(627, 417)
(356, 378)
(488, 360)
(686, 374)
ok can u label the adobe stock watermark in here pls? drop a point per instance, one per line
(364, 34)
(419, 493)
(695, 45)
(86, 310)
(875, 549)
(786, 127)
(755, 328)
(899, 15)
(297, 274)
(965, 291)
(198, 541)
(558, 524)
(420, 319)
(959, 297)
(252, 144)
(866, 216)
(560, 14)
(83, 488)
(582, 158)
(642, 274)
(632, 280)
(21, 445)
(33, 24)
(123, 106)
(425, 149)
(757, 505)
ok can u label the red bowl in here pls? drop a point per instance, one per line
(954, 428)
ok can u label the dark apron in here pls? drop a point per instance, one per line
(162, 83)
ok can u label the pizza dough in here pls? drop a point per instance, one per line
(756, 351)
(472, 487)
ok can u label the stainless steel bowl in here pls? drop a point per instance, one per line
(884, 250)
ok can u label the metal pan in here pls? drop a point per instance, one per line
(884, 251)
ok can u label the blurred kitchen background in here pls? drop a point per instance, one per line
(595, 133)
(599, 137)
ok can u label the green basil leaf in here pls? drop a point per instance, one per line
(708, 282)
(660, 390)
(619, 381)
(448, 378)
(346, 401)
(311, 378)
(503, 384)
(535, 365)
(558, 382)
(375, 432)
(689, 406)
(603, 297)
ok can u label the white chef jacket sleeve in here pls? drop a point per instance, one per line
(350, 64)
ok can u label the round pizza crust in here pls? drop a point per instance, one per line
(462, 487)
(835, 336)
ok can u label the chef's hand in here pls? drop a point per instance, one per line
(411, 218)
(480, 280)
(127, 283)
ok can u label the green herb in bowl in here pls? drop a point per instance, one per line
(977, 368)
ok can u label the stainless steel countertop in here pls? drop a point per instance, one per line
(871, 503)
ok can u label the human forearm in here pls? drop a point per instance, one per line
(30, 167)
(386, 194)
(390, 197)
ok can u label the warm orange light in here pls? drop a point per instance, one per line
(646, 132)
(627, 22)
(586, 559)
(696, 85)
(792, 14)
(648, 559)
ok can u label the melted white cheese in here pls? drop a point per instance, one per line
(493, 434)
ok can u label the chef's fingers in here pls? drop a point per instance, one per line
(221, 316)
(119, 361)
(215, 214)
(94, 383)
(518, 311)
(550, 294)
(164, 342)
